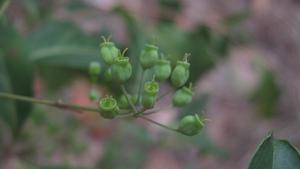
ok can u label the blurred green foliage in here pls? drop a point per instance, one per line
(19, 70)
(267, 94)
(126, 148)
(59, 51)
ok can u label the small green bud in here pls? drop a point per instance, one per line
(108, 74)
(149, 56)
(151, 89)
(94, 69)
(162, 69)
(93, 95)
(108, 51)
(183, 96)
(121, 70)
(109, 108)
(190, 125)
(180, 73)
(123, 103)
(148, 101)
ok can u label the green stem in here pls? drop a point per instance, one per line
(158, 110)
(128, 99)
(3, 7)
(157, 123)
(141, 85)
(164, 95)
(58, 104)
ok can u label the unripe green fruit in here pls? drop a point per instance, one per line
(121, 70)
(123, 103)
(183, 97)
(162, 69)
(93, 95)
(149, 56)
(151, 89)
(94, 69)
(109, 52)
(190, 125)
(109, 108)
(108, 74)
(148, 101)
(180, 74)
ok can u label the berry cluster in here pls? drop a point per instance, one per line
(136, 105)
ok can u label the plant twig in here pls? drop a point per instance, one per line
(164, 95)
(58, 104)
(158, 124)
(141, 85)
(157, 110)
(61, 105)
(128, 99)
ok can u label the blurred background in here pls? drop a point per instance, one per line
(245, 57)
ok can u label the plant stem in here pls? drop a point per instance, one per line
(141, 85)
(61, 105)
(128, 99)
(164, 95)
(58, 104)
(158, 110)
(4, 6)
(157, 123)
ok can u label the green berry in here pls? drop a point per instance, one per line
(121, 70)
(93, 95)
(108, 107)
(190, 125)
(108, 51)
(151, 89)
(149, 56)
(180, 74)
(108, 74)
(148, 101)
(162, 69)
(123, 103)
(94, 69)
(183, 96)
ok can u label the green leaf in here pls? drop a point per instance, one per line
(7, 107)
(267, 94)
(61, 49)
(18, 68)
(3, 6)
(275, 154)
(207, 48)
(62, 44)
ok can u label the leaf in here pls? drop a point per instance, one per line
(275, 154)
(3, 6)
(62, 44)
(18, 68)
(267, 94)
(7, 107)
(59, 49)
(207, 48)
